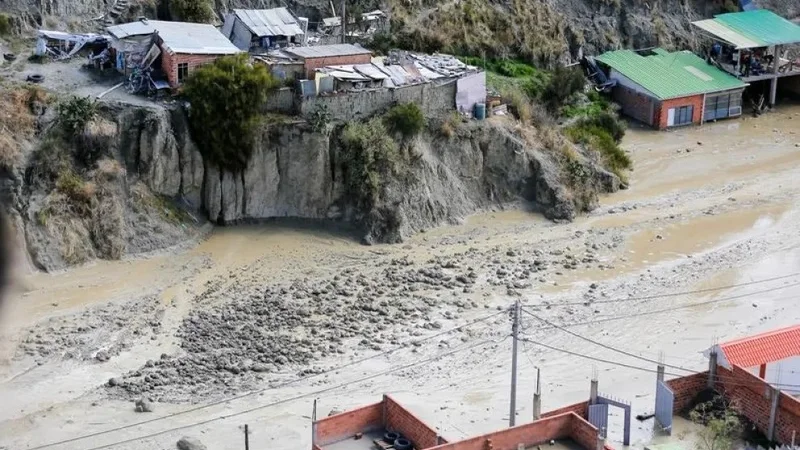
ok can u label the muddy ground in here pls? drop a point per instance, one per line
(251, 308)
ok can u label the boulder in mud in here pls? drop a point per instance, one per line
(143, 405)
(102, 356)
(190, 443)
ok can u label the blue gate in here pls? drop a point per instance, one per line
(665, 401)
(606, 400)
(598, 416)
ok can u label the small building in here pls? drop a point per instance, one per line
(174, 49)
(258, 30)
(754, 45)
(319, 56)
(666, 90)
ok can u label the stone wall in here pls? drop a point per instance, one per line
(281, 101)
(432, 99)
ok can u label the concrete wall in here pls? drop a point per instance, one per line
(281, 101)
(662, 109)
(432, 99)
(347, 424)
(786, 372)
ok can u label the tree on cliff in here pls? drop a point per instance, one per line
(226, 99)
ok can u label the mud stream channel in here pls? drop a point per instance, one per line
(711, 218)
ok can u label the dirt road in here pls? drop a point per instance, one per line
(251, 308)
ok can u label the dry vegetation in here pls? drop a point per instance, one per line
(18, 109)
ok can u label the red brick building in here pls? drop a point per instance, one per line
(328, 55)
(666, 90)
(181, 47)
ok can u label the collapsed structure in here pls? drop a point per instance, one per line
(665, 90)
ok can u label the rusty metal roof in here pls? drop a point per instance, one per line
(763, 348)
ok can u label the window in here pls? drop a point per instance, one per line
(680, 116)
(183, 72)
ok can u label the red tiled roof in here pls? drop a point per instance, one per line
(763, 348)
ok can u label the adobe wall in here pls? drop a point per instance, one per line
(432, 99)
(662, 109)
(347, 424)
(397, 418)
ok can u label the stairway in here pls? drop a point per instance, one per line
(119, 8)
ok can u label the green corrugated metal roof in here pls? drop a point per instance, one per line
(762, 25)
(670, 75)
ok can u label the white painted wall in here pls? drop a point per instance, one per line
(785, 372)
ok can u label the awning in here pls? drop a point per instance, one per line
(733, 37)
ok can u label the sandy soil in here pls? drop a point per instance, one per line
(251, 308)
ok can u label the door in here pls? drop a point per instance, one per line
(671, 117)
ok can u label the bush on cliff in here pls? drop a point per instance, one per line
(226, 99)
(563, 83)
(199, 11)
(369, 156)
(406, 119)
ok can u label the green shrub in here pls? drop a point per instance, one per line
(406, 119)
(369, 157)
(320, 119)
(563, 83)
(600, 140)
(200, 11)
(226, 99)
(5, 24)
(75, 112)
(519, 104)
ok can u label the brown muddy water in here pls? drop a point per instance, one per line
(723, 213)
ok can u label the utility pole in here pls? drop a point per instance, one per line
(344, 22)
(515, 335)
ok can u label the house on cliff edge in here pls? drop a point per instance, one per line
(173, 49)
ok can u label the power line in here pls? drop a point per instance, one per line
(678, 294)
(279, 386)
(686, 306)
(606, 346)
(290, 399)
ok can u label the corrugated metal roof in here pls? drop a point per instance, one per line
(670, 75)
(322, 51)
(269, 22)
(738, 40)
(751, 29)
(180, 37)
(763, 348)
(762, 25)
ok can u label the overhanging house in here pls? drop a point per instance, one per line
(665, 90)
(262, 29)
(174, 48)
(752, 45)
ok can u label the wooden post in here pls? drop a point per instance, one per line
(246, 437)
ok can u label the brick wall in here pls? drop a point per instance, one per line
(581, 409)
(312, 64)
(584, 433)
(397, 418)
(636, 105)
(170, 61)
(556, 427)
(749, 394)
(662, 109)
(686, 389)
(347, 424)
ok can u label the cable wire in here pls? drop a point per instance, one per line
(606, 346)
(279, 386)
(678, 294)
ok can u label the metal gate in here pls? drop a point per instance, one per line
(665, 401)
(598, 416)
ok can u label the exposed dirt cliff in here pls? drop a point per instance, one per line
(146, 173)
